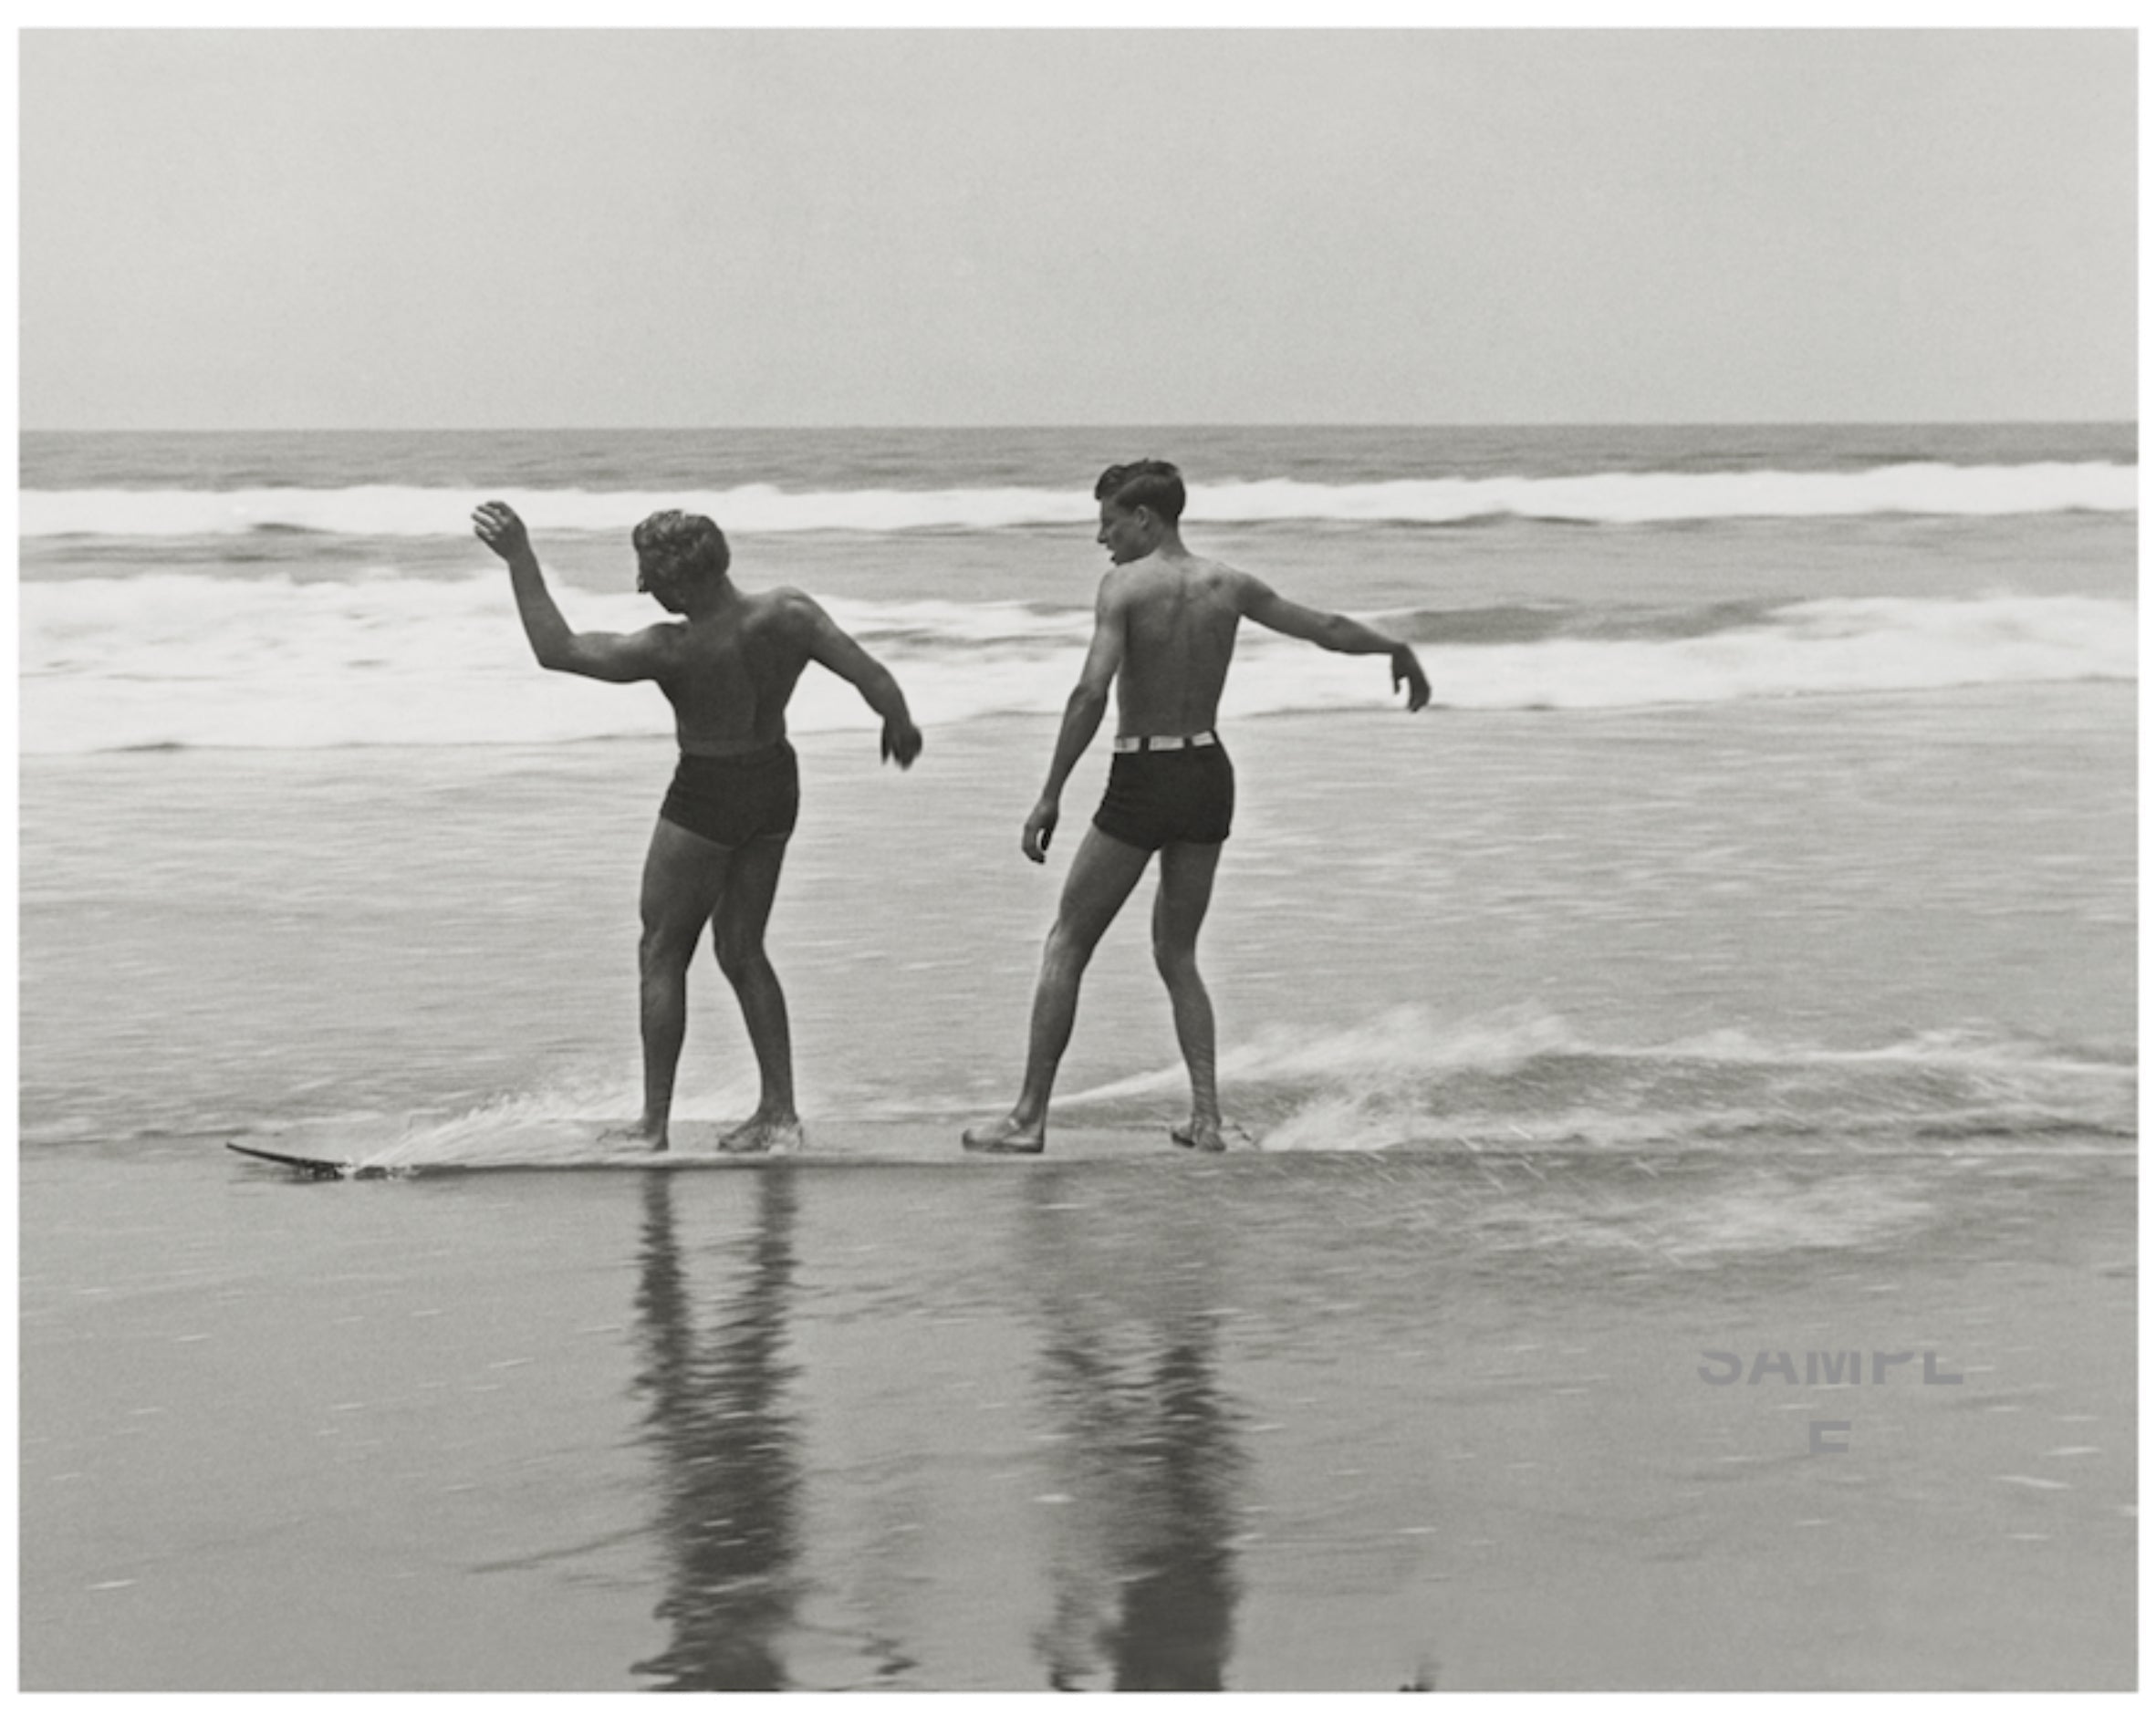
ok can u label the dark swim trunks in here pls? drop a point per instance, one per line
(1172, 797)
(733, 798)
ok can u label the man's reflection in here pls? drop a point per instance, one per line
(1149, 1472)
(730, 1482)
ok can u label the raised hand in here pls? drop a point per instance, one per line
(501, 530)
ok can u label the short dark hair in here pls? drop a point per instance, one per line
(1149, 484)
(678, 547)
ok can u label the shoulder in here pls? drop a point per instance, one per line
(1221, 581)
(1239, 586)
(787, 609)
(1114, 592)
(782, 601)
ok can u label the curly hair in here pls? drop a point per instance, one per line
(674, 548)
(1149, 485)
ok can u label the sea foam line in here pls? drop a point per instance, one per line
(1408, 1077)
(160, 661)
(1927, 488)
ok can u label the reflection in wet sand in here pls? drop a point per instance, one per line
(1148, 1468)
(728, 1474)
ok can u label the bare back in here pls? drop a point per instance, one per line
(1179, 617)
(730, 673)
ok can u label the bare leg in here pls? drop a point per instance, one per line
(1179, 912)
(1101, 877)
(683, 876)
(737, 938)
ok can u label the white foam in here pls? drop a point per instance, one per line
(1410, 1076)
(405, 511)
(199, 660)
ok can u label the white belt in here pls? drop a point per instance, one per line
(1158, 745)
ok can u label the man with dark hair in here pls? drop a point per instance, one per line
(1164, 628)
(729, 669)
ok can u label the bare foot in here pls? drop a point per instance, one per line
(1005, 1138)
(762, 1135)
(1199, 1134)
(638, 1139)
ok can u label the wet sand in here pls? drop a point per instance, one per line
(1266, 1422)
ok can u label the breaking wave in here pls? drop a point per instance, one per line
(1618, 499)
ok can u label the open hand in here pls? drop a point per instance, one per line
(501, 530)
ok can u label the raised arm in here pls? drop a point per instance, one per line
(839, 653)
(614, 659)
(1335, 633)
(1082, 714)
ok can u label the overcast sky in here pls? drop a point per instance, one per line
(485, 229)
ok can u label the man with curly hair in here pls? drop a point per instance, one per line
(728, 666)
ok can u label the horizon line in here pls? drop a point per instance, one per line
(1094, 425)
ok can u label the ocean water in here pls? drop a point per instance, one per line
(1748, 927)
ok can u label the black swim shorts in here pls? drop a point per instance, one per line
(733, 798)
(1169, 796)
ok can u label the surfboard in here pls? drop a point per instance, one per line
(312, 1167)
(381, 1149)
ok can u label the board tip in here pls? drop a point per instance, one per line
(313, 1167)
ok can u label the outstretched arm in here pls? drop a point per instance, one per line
(838, 652)
(615, 659)
(1335, 634)
(1082, 714)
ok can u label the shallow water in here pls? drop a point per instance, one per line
(1281, 1422)
(1901, 916)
